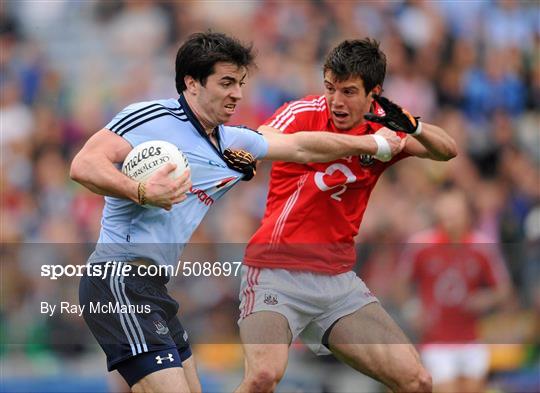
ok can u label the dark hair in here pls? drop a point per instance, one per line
(201, 51)
(358, 58)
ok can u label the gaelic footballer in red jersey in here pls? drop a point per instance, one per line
(459, 275)
(297, 279)
(314, 210)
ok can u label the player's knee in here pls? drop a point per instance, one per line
(263, 380)
(417, 381)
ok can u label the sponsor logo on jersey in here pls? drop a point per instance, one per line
(202, 196)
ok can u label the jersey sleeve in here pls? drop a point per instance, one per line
(246, 139)
(124, 124)
(297, 116)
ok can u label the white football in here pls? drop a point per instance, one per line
(148, 157)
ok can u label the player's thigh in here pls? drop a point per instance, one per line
(190, 372)
(266, 337)
(371, 342)
(163, 381)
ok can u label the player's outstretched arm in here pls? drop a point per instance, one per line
(94, 167)
(320, 146)
(429, 140)
(433, 143)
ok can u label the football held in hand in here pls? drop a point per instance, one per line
(148, 157)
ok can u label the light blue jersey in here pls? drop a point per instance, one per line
(129, 231)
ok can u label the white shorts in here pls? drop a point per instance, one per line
(310, 302)
(447, 362)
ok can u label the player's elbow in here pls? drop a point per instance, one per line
(447, 153)
(451, 150)
(303, 157)
(307, 157)
(78, 169)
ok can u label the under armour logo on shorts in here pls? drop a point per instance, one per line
(159, 359)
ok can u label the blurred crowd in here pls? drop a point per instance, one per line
(471, 67)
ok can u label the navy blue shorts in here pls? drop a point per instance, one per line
(134, 320)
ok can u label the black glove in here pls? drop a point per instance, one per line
(241, 161)
(396, 118)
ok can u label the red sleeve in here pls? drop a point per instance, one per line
(299, 115)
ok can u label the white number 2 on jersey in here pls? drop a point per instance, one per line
(350, 178)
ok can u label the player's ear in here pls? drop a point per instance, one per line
(191, 84)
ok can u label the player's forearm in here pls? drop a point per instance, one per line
(438, 143)
(328, 146)
(99, 175)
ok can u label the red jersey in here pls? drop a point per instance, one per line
(314, 211)
(447, 275)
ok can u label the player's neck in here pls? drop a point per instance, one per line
(207, 125)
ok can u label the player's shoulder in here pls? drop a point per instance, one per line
(310, 103)
(138, 113)
(168, 103)
(307, 113)
(239, 128)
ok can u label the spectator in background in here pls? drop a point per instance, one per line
(459, 276)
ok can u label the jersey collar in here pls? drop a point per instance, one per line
(198, 126)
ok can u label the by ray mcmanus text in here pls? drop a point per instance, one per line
(50, 309)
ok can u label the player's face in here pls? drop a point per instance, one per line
(452, 213)
(218, 98)
(347, 101)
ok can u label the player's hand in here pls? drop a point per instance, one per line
(394, 141)
(396, 118)
(395, 144)
(241, 161)
(163, 191)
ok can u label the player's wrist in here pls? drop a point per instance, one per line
(141, 193)
(384, 152)
(418, 130)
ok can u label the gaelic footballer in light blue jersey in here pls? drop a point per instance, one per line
(130, 231)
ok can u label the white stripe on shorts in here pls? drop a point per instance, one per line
(133, 315)
(122, 317)
(252, 278)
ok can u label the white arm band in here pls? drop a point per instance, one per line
(384, 153)
(418, 129)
